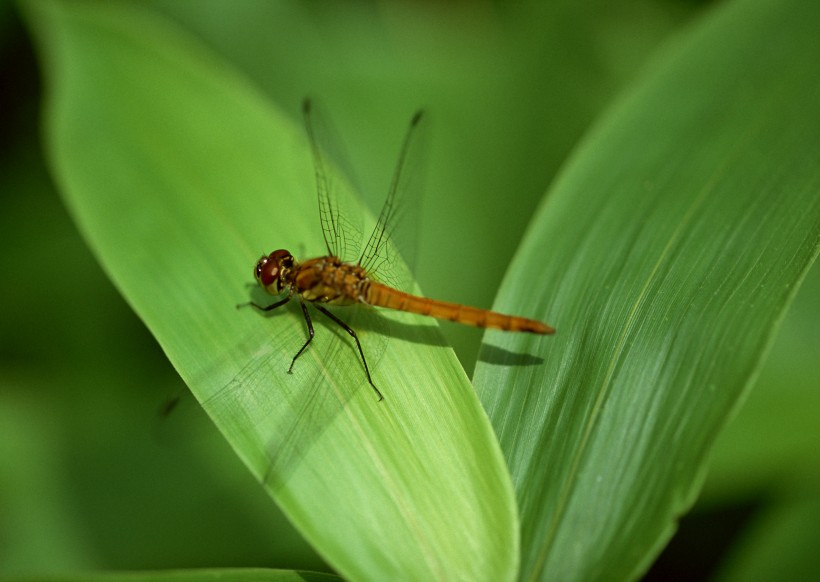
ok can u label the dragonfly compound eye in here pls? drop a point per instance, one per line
(266, 272)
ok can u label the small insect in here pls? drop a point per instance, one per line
(330, 280)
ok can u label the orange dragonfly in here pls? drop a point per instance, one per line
(330, 280)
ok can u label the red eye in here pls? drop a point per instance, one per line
(266, 272)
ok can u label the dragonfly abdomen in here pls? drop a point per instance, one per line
(382, 296)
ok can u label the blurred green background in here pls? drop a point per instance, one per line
(94, 477)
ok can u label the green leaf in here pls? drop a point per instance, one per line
(666, 254)
(179, 174)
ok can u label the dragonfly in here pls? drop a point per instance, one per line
(330, 280)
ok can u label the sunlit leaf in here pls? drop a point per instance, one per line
(180, 175)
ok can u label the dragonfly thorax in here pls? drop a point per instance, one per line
(273, 272)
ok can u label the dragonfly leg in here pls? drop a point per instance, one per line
(352, 332)
(265, 308)
(310, 335)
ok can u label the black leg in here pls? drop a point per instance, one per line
(310, 335)
(350, 330)
(268, 308)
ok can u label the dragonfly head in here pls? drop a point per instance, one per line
(271, 271)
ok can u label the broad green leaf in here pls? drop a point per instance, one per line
(179, 175)
(668, 250)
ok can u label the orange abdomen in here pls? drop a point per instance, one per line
(383, 296)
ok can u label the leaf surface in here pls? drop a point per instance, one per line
(666, 254)
(179, 174)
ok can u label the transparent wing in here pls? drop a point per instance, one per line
(392, 244)
(339, 215)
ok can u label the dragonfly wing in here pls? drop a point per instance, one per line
(390, 251)
(339, 213)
